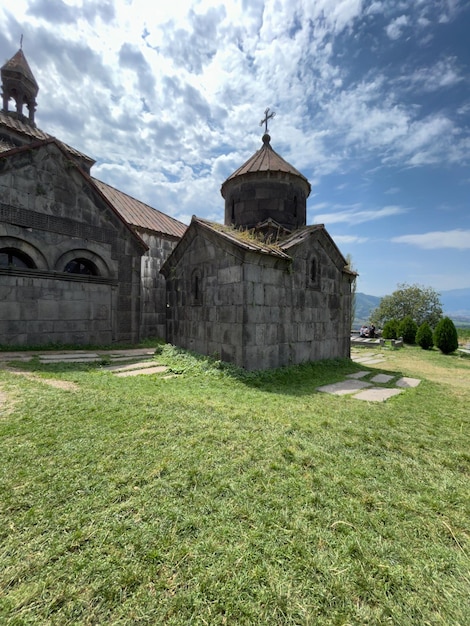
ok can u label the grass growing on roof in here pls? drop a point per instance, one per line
(228, 497)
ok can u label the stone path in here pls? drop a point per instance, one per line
(136, 369)
(361, 389)
(78, 356)
(367, 358)
(140, 357)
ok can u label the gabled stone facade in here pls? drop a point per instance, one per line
(70, 265)
(79, 259)
(258, 305)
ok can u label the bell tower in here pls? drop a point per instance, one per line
(19, 85)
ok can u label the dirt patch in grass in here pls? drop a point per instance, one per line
(6, 402)
(3, 398)
(66, 385)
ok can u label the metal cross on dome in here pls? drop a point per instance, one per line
(267, 116)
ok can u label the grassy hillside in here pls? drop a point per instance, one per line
(223, 497)
(365, 304)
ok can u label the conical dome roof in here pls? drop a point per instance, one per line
(264, 189)
(19, 64)
(265, 160)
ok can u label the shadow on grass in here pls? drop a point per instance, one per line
(295, 380)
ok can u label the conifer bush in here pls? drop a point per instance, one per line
(424, 336)
(390, 329)
(407, 329)
(445, 336)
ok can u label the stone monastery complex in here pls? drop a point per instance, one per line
(83, 263)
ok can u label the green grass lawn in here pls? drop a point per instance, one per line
(225, 497)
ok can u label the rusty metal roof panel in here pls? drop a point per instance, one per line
(139, 214)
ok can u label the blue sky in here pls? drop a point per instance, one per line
(372, 102)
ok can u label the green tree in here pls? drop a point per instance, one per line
(445, 336)
(390, 329)
(422, 304)
(407, 329)
(424, 336)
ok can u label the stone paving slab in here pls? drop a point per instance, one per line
(377, 395)
(76, 356)
(344, 387)
(363, 358)
(131, 366)
(360, 374)
(77, 359)
(407, 382)
(371, 361)
(148, 370)
(381, 378)
(69, 356)
(131, 352)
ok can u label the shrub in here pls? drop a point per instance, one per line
(407, 329)
(445, 336)
(390, 329)
(424, 336)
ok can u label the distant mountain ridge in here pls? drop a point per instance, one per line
(455, 304)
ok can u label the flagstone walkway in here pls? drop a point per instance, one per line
(363, 385)
(370, 389)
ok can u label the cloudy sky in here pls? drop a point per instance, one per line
(372, 102)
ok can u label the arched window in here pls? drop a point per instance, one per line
(15, 258)
(313, 273)
(233, 210)
(313, 270)
(196, 291)
(81, 266)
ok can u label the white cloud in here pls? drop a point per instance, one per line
(169, 98)
(395, 29)
(457, 239)
(356, 216)
(348, 239)
(443, 74)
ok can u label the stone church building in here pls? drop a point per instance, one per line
(84, 263)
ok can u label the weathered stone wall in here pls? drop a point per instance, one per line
(256, 310)
(44, 309)
(205, 302)
(255, 198)
(153, 321)
(52, 213)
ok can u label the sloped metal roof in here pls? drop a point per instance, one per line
(33, 133)
(139, 214)
(266, 160)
